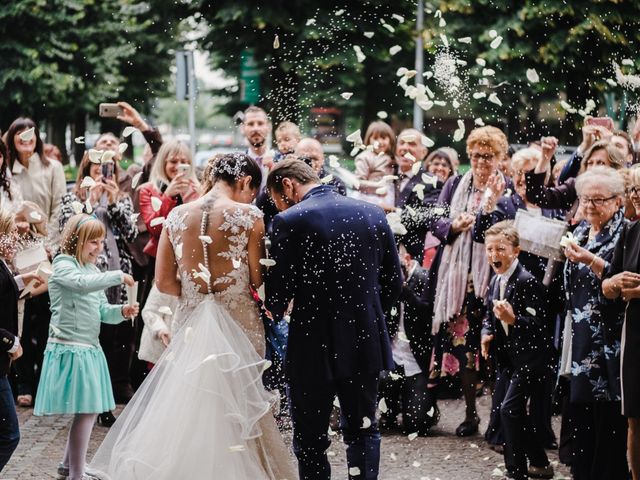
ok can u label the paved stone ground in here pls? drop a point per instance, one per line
(441, 456)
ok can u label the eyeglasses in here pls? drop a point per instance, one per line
(487, 157)
(596, 202)
(632, 190)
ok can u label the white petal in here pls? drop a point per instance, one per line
(156, 221)
(461, 62)
(333, 161)
(395, 376)
(493, 98)
(366, 422)
(178, 251)
(394, 311)
(336, 402)
(236, 263)
(488, 72)
(381, 190)
(382, 115)
(425, 104)
(444, 39)
(481, 61)
(28, 134)
(205, 238)
(128, 131)
(430, 180)
(400, 18)
(426, 141)
(355, 137)
(473, 445)
(311, 21)
(496, 472)
(331, 453)
(77, 207)
(416, 464)
(368, 34)
(165, 310)
(442, 23)
(276, 42)
(455, 104)
(95, 156)
(440, 103)
(382, 405)
(359, 55)
(402, 71)
(567, 107)
(354, 471)
(156, 204)
(393, 456)
(431, 412)
(346, 95)
(87, 182)
(532, 75)
(416, 167)
(107, 156)
(447, 457)
(237, 448)
(428, 74)
(326, 179)
(267, 262)
(530, 310)
(389, 27)
(79, 140)
(478, 121)
(493, 34)
(402, 336)
(395, 49)
(35, 216)
(338, 13)
(266, 365)
(122, 147)
(261, 292)
(627, 61)
(438, 14)
(412, 436)
(87, 205)
(465, 40)
(136, 179)
(409, 156)
(496, 42)
(612, 82)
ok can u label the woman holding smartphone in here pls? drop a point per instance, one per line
(114, 209)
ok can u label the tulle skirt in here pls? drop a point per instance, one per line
(74, 379)
(201, 413)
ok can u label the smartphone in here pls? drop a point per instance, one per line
(110, 110)
(107, 170)
(184, 168)
(605, 122)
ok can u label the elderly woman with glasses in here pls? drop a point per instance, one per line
(622, 280)
(593, 331)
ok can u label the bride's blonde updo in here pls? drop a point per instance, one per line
(229, 168)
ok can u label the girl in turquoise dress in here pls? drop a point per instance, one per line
(75, 377)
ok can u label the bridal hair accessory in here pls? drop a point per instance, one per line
(230, 164)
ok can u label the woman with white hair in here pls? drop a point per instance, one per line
(592, 341)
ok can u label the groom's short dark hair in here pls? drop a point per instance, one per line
(290, 168)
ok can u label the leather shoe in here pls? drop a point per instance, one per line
(468, 427)
(106, 419)
(541, 472)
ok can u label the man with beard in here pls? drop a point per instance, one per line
(255, 128)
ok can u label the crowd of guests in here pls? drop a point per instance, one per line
(480, 305)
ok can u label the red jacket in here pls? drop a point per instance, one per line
(146, 192)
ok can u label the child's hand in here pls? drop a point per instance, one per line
(128, 280)
(504, 312)
(165, 338)
(130, 311)
(484, 345)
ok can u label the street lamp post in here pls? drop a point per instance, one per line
(419, 64)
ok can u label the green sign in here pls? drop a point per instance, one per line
(249, 77)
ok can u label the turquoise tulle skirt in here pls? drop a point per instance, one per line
(74, 379)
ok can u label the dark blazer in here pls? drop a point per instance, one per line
(9, 318)
(336, 258)
(417, 222)
(563, 197)
(417, 318)
(528, 344)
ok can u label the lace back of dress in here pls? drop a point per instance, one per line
(204, 223)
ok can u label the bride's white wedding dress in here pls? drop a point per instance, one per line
(203, 412)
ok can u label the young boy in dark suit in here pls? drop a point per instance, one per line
(516, 330)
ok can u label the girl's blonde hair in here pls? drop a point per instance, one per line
(168, 150)
(80, 229)
(7, 222)
(381, 129)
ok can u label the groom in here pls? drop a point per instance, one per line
(335, 257)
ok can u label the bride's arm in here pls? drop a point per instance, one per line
(166, 267)
(256, 251)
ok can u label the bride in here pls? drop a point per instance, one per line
(203, 413)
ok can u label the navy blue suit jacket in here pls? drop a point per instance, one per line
(336, 258)
(528, 344)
